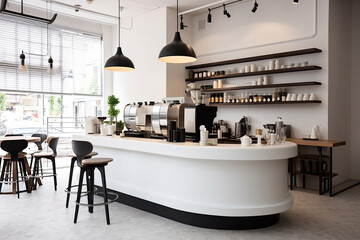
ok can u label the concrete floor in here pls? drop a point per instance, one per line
(42, 215)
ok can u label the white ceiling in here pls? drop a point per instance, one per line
(108, 8)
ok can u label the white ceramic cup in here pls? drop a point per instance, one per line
(304, 64)
(293, 97)
(253, 68)
(299, 97)
(259, 81)
(220, 83)
(215, 84)
(247, 69)
(312, 97)
(272, 65)
(266, 80)
(306, 97)
(288, 97)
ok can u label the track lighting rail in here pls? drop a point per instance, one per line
(23, 15)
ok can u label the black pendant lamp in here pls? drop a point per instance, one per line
(119, 62)
(177, 51)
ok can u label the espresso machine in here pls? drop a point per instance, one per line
(195, 116)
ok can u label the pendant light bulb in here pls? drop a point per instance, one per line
(50, 70)
(177, 51)
(119, 62)
(22, 66)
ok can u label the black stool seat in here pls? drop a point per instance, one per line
(88, 166)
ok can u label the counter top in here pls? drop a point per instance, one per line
(194, 150)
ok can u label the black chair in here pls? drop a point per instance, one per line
(81, 150)
(73, 160)
(38, 144)
(52, 143)
(15, 158)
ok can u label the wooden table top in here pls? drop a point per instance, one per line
(316, 143)
(29, 139)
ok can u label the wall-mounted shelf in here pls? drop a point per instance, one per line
(280, 85)
(265, 103)
(257, 58)
(268, 72)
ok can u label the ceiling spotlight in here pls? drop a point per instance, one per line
(77, 7)
(182, 26)
(255, 7)
(226, 12)
(209, 16)
(295, 1)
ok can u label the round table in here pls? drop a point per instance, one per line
(29, 139)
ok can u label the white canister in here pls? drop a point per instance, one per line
(272, 65)
(247, 69)
(215, 84)
(253, 68)
(312, 97)
(220, 83)
(306, 97)
(260, 81)
(103, 130)
(288, 97)
(266, 80)
(299, 97)
(293, 97)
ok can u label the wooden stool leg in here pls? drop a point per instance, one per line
(103, 178)
(79, 194)
(70, 181)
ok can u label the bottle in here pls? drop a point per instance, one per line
(283, 97)
(216, 98)
(221, 98)
(251, 98)
(279, 95)
(212, 99)
(274, 95)
(255, 98)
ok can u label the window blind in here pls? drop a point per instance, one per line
(77, 60)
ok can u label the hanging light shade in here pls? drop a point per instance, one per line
(177, 51)
(119, 62)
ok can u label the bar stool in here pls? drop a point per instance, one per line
(38, 144)
(73, 160)
(15, 157)
(52, 143)
(82, 149)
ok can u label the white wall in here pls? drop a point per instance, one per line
(355, 88)
(142, 45)
(222, 32)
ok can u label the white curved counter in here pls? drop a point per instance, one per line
(226, 181)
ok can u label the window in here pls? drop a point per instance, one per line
(77, 60)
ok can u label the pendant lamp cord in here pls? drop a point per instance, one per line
(177, 15)
(119, 21)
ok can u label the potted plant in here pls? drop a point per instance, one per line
(119, 127)
(113, 112)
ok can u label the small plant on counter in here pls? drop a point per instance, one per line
(113, 113)
(119, 127)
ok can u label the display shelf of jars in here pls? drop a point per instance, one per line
(256, 73)
(268, 103)
(257, 58)
(279, 85)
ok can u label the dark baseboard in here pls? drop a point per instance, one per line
(195, 219)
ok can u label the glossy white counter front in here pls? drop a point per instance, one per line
(227, 180)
